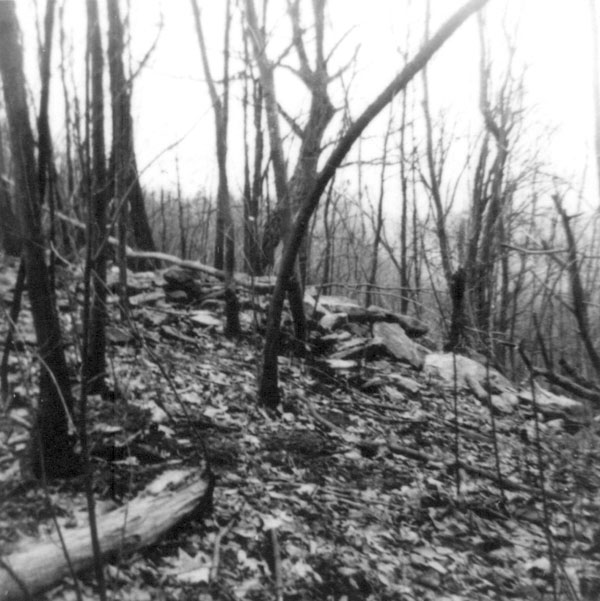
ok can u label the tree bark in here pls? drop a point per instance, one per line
(52, 449)
(10, 234)
(226, 254)
(98, 205)
(123, 137)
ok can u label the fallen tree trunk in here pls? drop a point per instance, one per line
(259, 284)
(174, 497)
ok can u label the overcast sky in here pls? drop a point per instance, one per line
(171, 102)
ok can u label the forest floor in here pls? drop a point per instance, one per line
(322, 501)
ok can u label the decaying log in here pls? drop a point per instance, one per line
(174, 497)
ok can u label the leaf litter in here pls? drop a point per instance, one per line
(349, 494)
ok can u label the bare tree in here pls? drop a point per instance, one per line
(95, 347)
(435, 167)
(53, 453)
(123, 140)
(225, 247)
(378, 217)
(252, 185)
(596, 84)
(9, 227)
(268, 388)
(291, 192)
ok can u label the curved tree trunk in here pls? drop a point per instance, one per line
(268, 385)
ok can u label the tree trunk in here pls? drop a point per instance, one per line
(268, 386)
(225, 232)
(123, 137)
(96, 343)
(53, 454)
(10, 234)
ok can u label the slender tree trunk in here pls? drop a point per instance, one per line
(53, 453)
(225, 221)
(96, 344)
(10, 233)
(596, 85)
(379, 219)
(434, 183)
(123, 136)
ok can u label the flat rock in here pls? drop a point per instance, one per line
(333, 321)
(505, 402)
(338, 365)
(398, 344)
(147, 298)
(176, 296)
(117, 335)
(552, 405)
(313, 307)
(405, 384)
(343, 304)
(205, 319)
(469, 373)
(411, 325)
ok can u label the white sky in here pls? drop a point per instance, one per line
(171, 100)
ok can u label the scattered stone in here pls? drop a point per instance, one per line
(146, 298)
(183, 280)
(205, 319)
(333, 321)
(553, 405)
(336, 365)
(405, 384)
(341, 304)
(212, 304)
(469, 374)
(176, 296)
(313, 308)
(174, 334)
(359, 329)
(413, 327)
(399, 345)
(117, 335)
(336, 337)
(504, 403)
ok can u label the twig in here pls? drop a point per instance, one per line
(277, 565)
(494, 432)
(456, 425)
(223, 532)
(541, 474)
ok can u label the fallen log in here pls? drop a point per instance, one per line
(258, 284)
(174, 497)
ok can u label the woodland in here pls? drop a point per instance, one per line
(291, 393)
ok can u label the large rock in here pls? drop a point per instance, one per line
(469, 374)
(411, 325)
(399, 345)
(553, 405)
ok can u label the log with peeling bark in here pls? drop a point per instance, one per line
(174, 497)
